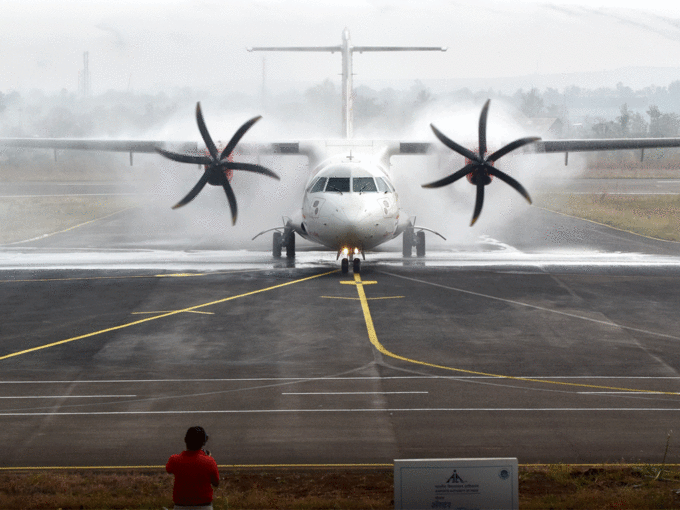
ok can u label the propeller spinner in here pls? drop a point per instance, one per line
(217, 164)
(481, 166)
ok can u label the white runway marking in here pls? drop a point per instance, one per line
(70, 396)
(76, 195)
(608, 323)
(367, 410)
(358, 378)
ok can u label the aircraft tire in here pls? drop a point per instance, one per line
(290, 245)
(345, 266)
(356, 266)
(276, 245)
(407, 242)
(420, 244)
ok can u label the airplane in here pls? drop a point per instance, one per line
(350, 204)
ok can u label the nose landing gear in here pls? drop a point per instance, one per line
(354, 258)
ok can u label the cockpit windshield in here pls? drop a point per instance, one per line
(363, 185)
(338, 184)
(383, 187)
(319, 185)
(342, 185)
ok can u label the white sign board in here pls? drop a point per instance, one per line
(456, 484)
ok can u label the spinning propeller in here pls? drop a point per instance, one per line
(217, 165)
(480, 167)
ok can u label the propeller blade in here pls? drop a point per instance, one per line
(479, 202)
(249, 167)
(232, 199)
(482, 128)
(509, 180)
(512, 146)
(184, 158)
(194, 191)
(451, 178)
(237, 137)
(454, 146)
(204, 132)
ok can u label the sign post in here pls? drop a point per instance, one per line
(456, 484)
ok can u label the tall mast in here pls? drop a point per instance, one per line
(346, 50)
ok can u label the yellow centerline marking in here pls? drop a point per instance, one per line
(373, 337)
(168, 314)
(167, 311)
(357, 299)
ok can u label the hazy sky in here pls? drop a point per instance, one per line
(157, 45)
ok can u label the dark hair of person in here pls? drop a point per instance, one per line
(195, 438)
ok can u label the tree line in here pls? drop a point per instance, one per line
(604, 112)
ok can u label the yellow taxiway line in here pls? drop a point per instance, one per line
(373, 337)
(162, 316)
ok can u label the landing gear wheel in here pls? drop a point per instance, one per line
(290, 245)
(408, 242)
(356, 266)
(276, 245)
(345, 266)
(420, 244)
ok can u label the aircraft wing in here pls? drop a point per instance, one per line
(602, 144)
(141, 146)
(92, 144)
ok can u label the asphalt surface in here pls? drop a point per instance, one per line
(552, 341)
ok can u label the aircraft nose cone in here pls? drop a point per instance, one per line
(358, 224)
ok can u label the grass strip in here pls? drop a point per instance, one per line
(540, 486)
(656, 216)
(25, 218)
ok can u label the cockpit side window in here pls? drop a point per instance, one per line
(338, 184)
(363, 185)
(319, 185)
(382, 185)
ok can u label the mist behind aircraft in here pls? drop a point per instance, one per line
(153, 45)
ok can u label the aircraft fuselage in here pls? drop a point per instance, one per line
(350, 206)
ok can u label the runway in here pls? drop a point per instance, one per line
(554, 341)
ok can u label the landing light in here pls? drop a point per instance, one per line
(356, 251)
(345, 251)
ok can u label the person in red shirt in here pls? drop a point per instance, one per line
(195, 473)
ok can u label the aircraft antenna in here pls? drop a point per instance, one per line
(347, 50)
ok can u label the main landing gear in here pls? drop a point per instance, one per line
(412, 238)
(286, 239)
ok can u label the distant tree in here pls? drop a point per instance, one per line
(322, 94)
(637, 125)
(421, 94)
(674, 89)
(606, 128)
(532, 103)
(662, 124)
(624, 119)
(623, 91)
(668, 124)
(654, 121)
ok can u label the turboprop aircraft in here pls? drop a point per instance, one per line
(350, 204)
